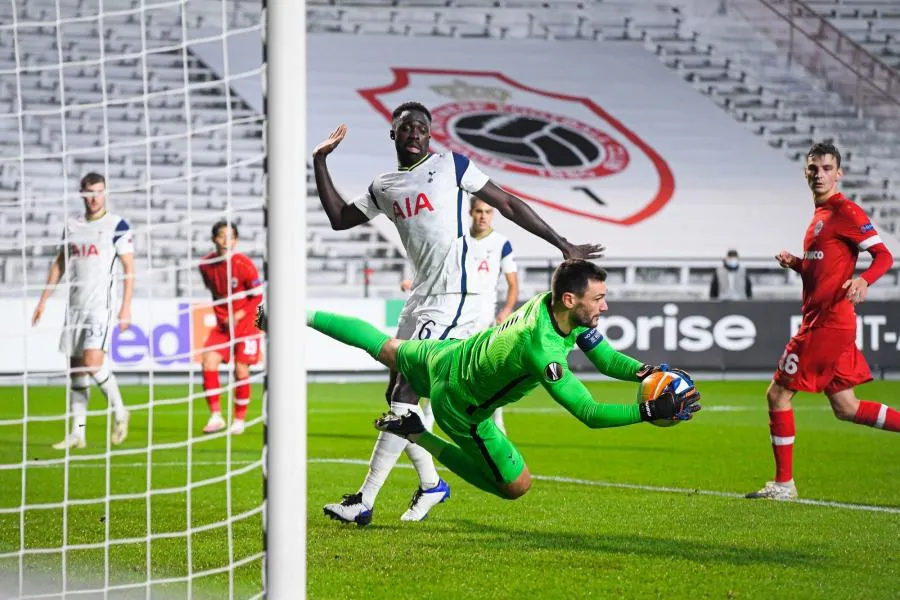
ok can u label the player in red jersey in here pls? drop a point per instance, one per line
(236, 292)
(822, 356)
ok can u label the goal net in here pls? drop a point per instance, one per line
(164, 98)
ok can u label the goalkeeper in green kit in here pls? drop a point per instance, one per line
(467, 380)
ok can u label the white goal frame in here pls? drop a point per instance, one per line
(284, 54)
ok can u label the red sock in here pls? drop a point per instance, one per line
(241, 398)
(781, 426)
(875, 414)
(211, 382)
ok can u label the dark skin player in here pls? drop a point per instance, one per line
(411, 133)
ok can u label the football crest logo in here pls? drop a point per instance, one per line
(569, 153)
(818, 228)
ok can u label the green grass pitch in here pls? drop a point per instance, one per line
(129, 479)
(634, 512)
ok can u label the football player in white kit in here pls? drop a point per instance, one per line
(91, 242)
(490, 256)
(424, 198)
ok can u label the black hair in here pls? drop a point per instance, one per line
(223, 223)
(732, 252)
(823, 148)
(417, 106)
(573, 276)
(90, 179)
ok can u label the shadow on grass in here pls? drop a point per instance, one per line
(592, 446)
(491, 537)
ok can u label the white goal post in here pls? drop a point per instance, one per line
(285, 56)
(193, 112)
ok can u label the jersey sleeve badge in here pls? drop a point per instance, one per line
(553, 371)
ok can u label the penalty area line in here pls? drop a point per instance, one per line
(649, 488)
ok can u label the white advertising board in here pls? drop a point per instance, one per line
(166, 335)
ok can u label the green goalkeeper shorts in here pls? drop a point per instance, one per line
(426, 366)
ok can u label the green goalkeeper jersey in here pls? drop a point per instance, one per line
(504, 363)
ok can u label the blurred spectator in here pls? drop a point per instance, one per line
(730, 281)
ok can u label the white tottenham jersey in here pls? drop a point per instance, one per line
(90, 249)
(488, 258)
(428, 204)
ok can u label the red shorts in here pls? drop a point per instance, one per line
(246, 350)
(822, 360)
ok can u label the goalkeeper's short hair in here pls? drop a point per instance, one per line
(573, 276)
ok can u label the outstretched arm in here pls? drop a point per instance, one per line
(517, 211)
(569, 392)
(341, 215)
(607, 359)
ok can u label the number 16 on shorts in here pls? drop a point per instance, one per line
(789, 362)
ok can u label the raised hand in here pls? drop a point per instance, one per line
(327, 146)
(583, 251)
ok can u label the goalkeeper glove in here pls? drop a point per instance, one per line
(671, 406)
(647, 370)
(261, 321)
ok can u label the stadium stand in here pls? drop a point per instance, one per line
(174, 140)
(873, 24)
(706, 43)
(724, 57)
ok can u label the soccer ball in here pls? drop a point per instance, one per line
(654, 385)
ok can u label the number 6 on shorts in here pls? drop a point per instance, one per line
(425, 330)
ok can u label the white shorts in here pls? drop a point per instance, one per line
(487, 318)
(440, 317)
(85, 330)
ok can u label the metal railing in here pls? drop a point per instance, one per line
(824, 50)
(638, 278)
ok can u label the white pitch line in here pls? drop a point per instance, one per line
(552, 478)
(561, 411)
(648, 488)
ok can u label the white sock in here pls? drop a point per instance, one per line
(420, 458)
(424, 464)
(107, 383)
(498, 419)
(388, 449)
(79, 393)
(428, 417)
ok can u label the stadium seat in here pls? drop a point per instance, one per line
(719, 56)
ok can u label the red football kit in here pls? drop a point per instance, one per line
(245, 292)
(823, 356)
